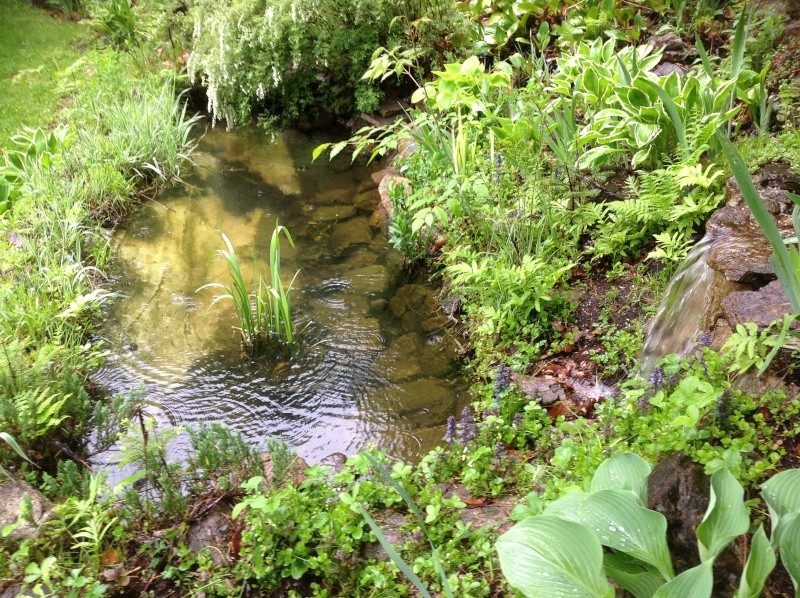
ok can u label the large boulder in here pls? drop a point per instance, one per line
(763, 306)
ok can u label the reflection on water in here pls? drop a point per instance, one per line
(373, 364)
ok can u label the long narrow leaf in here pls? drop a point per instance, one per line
(396, 558)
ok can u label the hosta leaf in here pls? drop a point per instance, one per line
(759, 565)
(725, 518)
(782, 495)
(790, 548)
(623, 471)
(696, 582)
(547, 556)
(621, 523)
(639, 579)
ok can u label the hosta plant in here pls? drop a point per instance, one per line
(585, 540)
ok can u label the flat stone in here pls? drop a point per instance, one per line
(377, 176)
(349, 233)
(211, 532)
(424, 400)
(13, 493)
(392, 107)
(367, 201)
(399, 361)
(740, 251)
(543, 390)
(762, 307)
(327, 214)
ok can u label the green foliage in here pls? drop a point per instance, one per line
(265, 314)
(614, 514)
(289, 57)
(116, 20)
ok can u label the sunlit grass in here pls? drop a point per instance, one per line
(34, 47)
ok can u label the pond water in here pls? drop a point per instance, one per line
(374, 363)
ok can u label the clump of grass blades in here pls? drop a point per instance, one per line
(265, 314)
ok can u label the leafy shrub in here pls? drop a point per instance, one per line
(290, 57)
(560, 551)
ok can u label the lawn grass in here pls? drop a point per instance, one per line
(34, 47)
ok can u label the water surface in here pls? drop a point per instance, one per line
(374, 363)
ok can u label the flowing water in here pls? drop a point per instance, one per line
(373, 364)
(680, 314)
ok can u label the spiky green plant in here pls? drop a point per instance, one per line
(264, 315)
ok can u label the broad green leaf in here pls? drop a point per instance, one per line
(696, 582)
(639, 579)
(672, 110)
(318, 150)
(547, 556)
(790, 549)
(621, 523)
(623, 471)
(726, 516)
(782, 495)
(760, 564)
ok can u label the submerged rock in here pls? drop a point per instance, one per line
(411, 303)
(349, 233)
(327, 214)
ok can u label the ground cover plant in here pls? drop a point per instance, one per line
(559, 176)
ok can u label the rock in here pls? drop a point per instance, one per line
(328, 214)
(413, 303)
(675, 49)
(678, 488)
(740, 251)
(366, 202)
(377, 220)
(399, 361)
(378, 122)
(392, 107)
(211, 532)
(390, 523)
(665, 69)
(350, 232)
(387, 182)
(336, 462)
(424, 400)
(406, 147)
(14, 492)
(544, 390)
(377, 176)
(762, 306)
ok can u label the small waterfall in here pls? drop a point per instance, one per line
(680, 314)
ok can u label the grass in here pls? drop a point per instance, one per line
(34, 47)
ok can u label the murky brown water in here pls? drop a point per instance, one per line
(374, 364)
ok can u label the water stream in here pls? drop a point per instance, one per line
(679, 317)
(374, 363)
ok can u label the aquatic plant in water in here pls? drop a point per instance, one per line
(265, 314)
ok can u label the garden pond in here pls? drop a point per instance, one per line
(374, 363)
